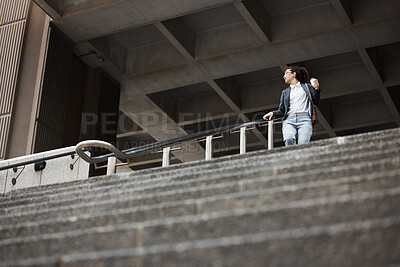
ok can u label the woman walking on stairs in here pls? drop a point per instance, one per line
(296, 107)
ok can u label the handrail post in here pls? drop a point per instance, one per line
(270, 134)
(111, 165)
(208, 147)
(243, 140)
(166, 156)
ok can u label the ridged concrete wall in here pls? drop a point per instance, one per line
(13, 16)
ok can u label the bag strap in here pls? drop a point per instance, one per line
(309, 94)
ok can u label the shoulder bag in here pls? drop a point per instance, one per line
(314, 118)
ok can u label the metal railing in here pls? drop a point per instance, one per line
(165, 146)
(33, 161)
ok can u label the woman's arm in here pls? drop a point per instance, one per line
(276, 113)
(281, 110)
(315, 92)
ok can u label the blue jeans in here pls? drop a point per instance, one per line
(297, 124)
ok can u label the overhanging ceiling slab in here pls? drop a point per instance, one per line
(83, 20)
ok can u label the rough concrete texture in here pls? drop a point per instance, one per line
(56, 171)
(332, 202)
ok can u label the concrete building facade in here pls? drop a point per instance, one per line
(154, 70)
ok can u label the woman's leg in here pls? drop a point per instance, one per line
(289, 131)
(304, 128)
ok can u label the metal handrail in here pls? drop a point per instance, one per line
(156, 146)
(83, 146)
(32, 161)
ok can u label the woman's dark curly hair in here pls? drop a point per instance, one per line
(301, 73)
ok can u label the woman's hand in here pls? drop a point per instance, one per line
(315, 84)
(268, 116)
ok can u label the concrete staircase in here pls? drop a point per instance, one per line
(331, 202)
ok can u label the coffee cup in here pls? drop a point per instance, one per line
(312, 81)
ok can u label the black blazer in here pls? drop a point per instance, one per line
(285, 101)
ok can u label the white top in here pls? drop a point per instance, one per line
(299, 102)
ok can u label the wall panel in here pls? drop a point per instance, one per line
(13, 10)
(13, 16)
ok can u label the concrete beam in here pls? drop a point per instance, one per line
(316, 21)
(371, 11)
(391, 68)
(232, 89)
(160, 80)
(376, 61)
(53, 8)
(360, 112)
(374, 67)
(321, 45)
(257, 17)
(344, 80)
(254, 59)
(251, 59)
(111, 50)
(257, 58)
(128, 134)
(141, 110)
(167, 103)
(156, 56)
(182, 33)
(168, 34)
(229, 101)
(344, 10)
(224, 40)
(325, 122)
(182, 50)
(378, 33)
(370, 57)
(81, 19)
(207, 104)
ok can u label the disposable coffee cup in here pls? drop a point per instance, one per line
(312, 81)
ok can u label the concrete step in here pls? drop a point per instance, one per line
(340, 143)
(247, 199)
(318, 212)
(337, 198)
(355, 243)
(218, 177)
(258, 180)
(129, 180)
(247, 161)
